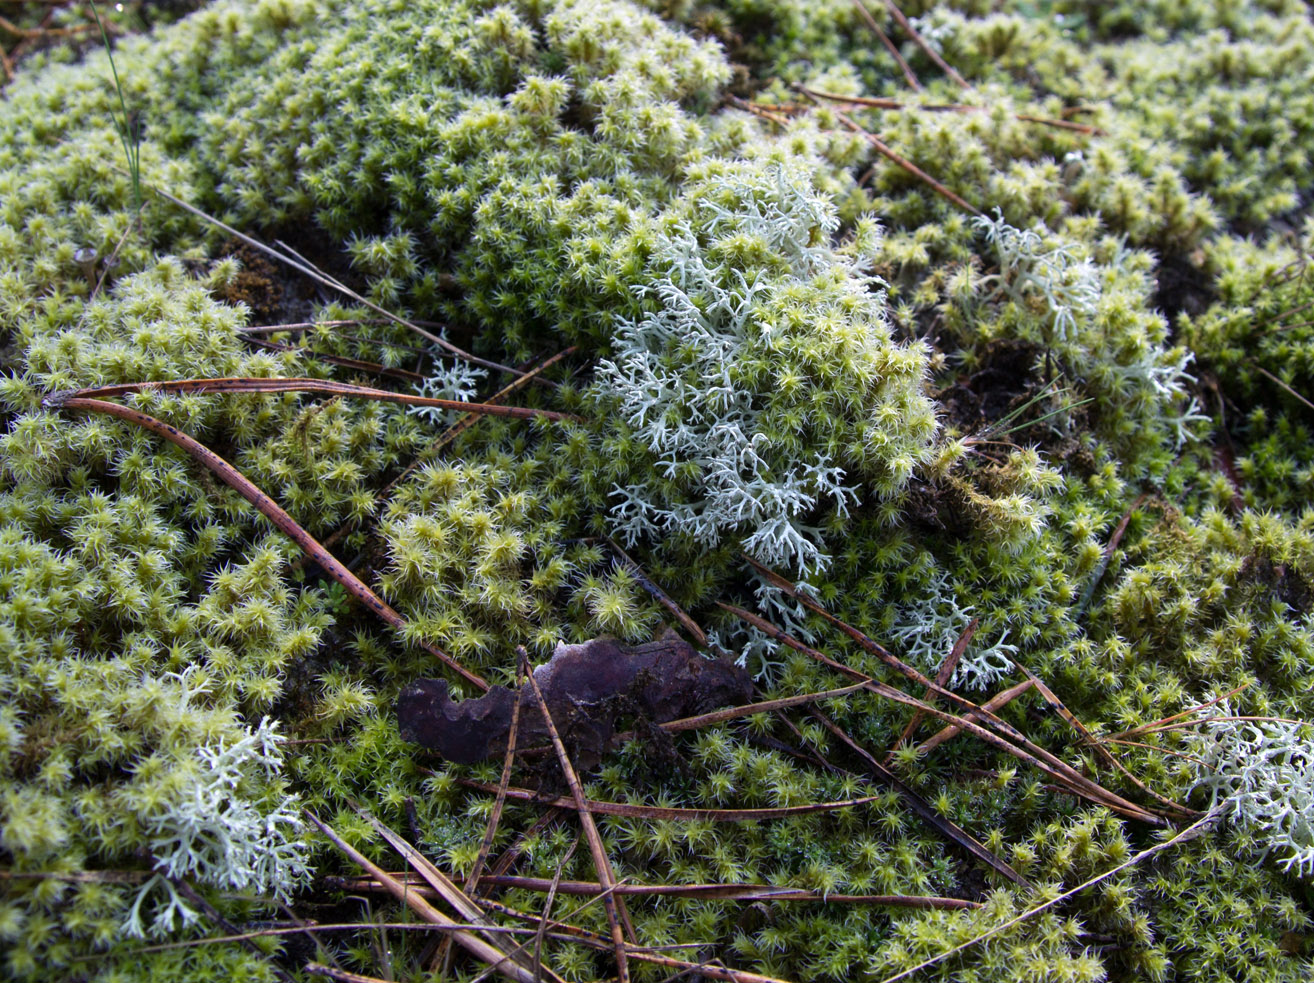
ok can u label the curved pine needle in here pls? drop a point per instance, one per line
(272, 511)
(323, 387)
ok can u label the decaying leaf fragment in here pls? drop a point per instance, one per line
(586, 688)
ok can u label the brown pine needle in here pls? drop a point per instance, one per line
(897, 105)
(1144, 728)
(512, 853)
(342, 975)
(721, 892)
(633, 811)
(600, 862)
(342, 361)
(942, 678)
(882, 148)
(542, 931)
(320, 277)
(996, 702)
(758, 111)
(1161, 750)
(1197, 828)
(751, 709)
(549, 901)
(495, 817)
(1269, 375)
(44, 33)
(920, 41)
(352, 322)
(356, 884)
(438, 882)
(110, 262)
(272, 511)
(949, 829)
(323, 387)
(1025, 750)
(1100, 750)
(472, 943)
(1110, 548)
(882, 653)
(643, 953)
(469, 420)
(908, 75)
(662, 598)
(190, 894)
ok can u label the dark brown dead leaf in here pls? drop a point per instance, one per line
(586, 688)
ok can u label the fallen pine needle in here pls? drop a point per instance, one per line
(1191, 832)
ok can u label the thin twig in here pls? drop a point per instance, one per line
(272, 511)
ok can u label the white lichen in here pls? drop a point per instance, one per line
(1261, 774)
(929, 627)
(227, 826)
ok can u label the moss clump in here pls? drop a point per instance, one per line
(1080, 418)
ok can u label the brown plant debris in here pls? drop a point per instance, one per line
(586, 687)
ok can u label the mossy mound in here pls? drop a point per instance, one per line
(1073, 415)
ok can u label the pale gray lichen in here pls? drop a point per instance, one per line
(1260, 773)
(209, 829)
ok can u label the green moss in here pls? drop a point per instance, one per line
(785, 345)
